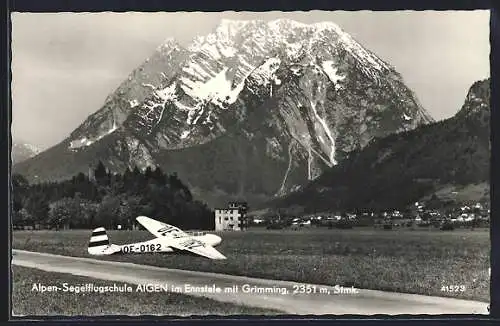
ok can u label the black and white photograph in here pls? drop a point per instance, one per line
(250, 163)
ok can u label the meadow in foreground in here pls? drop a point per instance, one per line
(420, 261)
(26, 302)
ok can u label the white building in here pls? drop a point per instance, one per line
(228, 219)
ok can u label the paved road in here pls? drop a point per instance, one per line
(365, 302)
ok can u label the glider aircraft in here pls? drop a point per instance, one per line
(169, 239)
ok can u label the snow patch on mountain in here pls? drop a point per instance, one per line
(152, 87)
(309, 162)
(149, 110)
(295, 70)
(113, 128)
(32, 148)
(227, 51)
(328, 132)
(207, 119)
(293, 50)
(331, 72)
(196, 71)
(87, 141)
(185, 133)
(210, 49)
(191, 114)
(218, 89)
(133, 103)
(198, 116)
(80, 143)
(266, 72)
(406, 117)
(282, 188)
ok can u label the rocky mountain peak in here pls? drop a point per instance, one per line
(477, 99)
(269, 104)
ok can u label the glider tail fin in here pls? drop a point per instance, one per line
(98, 241)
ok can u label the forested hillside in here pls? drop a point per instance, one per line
(107, 200)
(395, 171)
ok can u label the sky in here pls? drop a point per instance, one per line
(64, 65)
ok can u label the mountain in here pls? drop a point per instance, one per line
(22, 151)
(448, 161)
(253, 110)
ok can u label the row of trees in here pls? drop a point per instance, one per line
(108, 200)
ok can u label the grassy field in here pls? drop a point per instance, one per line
(26, 302)
(419, 261)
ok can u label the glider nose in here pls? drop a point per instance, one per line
(213, 239)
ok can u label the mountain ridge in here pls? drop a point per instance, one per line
(296, 97)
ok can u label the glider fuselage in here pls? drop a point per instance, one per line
(161, 244)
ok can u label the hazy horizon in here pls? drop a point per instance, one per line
(64, 65)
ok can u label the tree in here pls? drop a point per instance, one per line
(38, 208)
(80, 178)
(434, 202)
(179, 188)
(131, 207)
(161, 202)
(19, 186)
(136, 172)
(61, 212)
(108, 212)
(71, 212)
(22, 218)
(128, 209)
(100, 171)
(127, 174)
(148, 173)
(89, 211)
(117, 184)
(73, 202)
(101, 174)
(19, 181)
(159, 177)
(137, 184)
(198, 216)
(16, 203)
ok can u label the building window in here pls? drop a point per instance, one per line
(225, 218)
